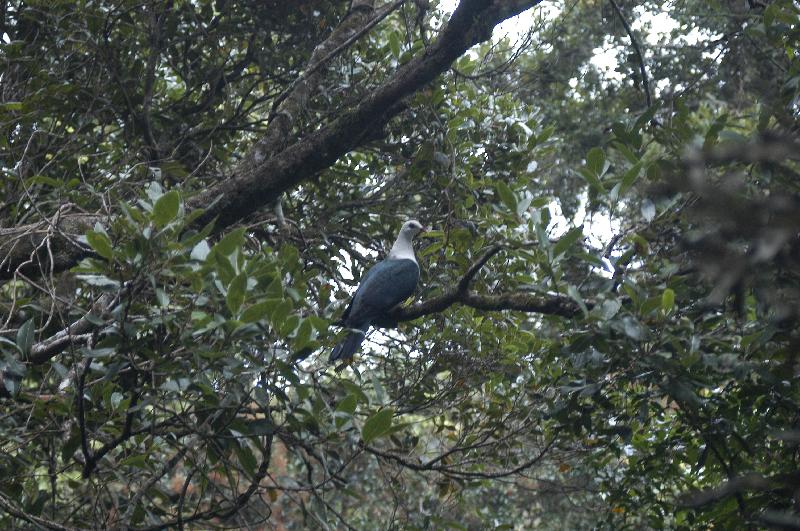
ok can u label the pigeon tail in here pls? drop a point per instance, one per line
(348, 347)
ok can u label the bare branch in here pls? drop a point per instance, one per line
(23, 248)
(233, 508)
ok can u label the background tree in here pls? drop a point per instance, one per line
(191, 190)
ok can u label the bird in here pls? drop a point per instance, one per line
(384, 286)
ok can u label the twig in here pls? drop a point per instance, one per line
(449, 471)
(463, 284)
(385, 11)
(87, 453)
(91, 464)
(73, 333)
(9, 507)
(635, 44)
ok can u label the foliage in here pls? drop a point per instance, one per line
(549, 374)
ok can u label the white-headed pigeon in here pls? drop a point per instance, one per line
(386, 284)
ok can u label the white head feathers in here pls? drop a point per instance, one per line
(402, 248)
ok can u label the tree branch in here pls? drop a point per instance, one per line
(263, 176)
(447, 470)
(91, 461)
(515, 301)
(737, 485)
(9, 507)
(319, 63)
(635, 44)
(233, 508)
(463, 284)
(552, 304)
(76, 332)
(24, 248)
(255, 184)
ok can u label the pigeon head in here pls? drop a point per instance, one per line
(412, 227)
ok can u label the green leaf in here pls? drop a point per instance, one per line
(165, 209)
(25, 337)
(347, 404)
(667, 300)
(355, 390)
(200, 251)
(592, 179)
(45, 180)
(303, 334)
(100, 281)
(595, 160)
(506, 195)
(246, 459)
(380, 394)
(572, 291)
(259, 311)
(98, 352)
(630, 177)
(137, 460)
(627, 152)
(712, 135)
(100, 243)
(648, 210)
(567, 241)
(377, 425)
(162, 297)
(345, 409)
(546, 133)
(236, 291)
(259, 427)
(591, 259)
(394, 44)
(282, 310)
(223, 267)
(229, 243)
(610, 308)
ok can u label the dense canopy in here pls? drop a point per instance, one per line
(607, 325)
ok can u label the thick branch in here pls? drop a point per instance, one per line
(515, 301)
(25, 248)
(263, 175)
(518, 301)
(255, 183)
(748, 482)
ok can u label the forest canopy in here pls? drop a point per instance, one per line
(606, 329)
